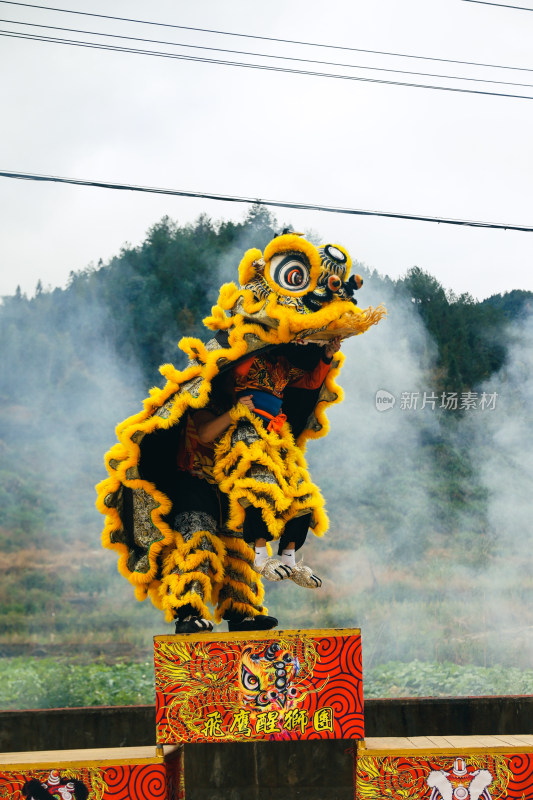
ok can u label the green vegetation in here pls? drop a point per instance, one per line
(47, 683)
(423, 679)
(419, 581)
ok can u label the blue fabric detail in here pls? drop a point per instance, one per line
(263, 401)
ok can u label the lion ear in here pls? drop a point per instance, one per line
(248, 267)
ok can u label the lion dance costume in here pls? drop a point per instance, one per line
(176, 515)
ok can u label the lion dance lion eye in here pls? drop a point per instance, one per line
(290, 272)
(263, 699)
(294, 277)
(249, 680)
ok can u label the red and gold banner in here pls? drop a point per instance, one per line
(272, 685)
(458, 776)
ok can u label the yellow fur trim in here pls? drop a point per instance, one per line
(287, 322)
(196, 560)
(241, 608)
(320, 411)
(189, 598)
(185, 564)
(247, 270)
(348, 264)
(187, 547)
(293, 490)
(244, 593)
(321, 521)
(141, 592)
(113, 524)
(189, 556)
(153, 593)
(249, 587)
(173, 595)
(249, 575)
(237, 545)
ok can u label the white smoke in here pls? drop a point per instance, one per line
(426, 575)
(373, 469)
(502, 448)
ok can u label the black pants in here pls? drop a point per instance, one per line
(256, 528)
(197, 494)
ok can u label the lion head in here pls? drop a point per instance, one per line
(293, 290)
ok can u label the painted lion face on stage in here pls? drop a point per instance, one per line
(55, 787)
(266, 679)
(293, 290)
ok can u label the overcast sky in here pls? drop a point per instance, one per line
(134, 119)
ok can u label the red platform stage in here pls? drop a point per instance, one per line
(445, 768)
(121, 773)
(272, 685)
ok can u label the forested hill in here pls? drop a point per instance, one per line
(77, 360)
(142, 301)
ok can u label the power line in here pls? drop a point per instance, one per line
(27, 176)
(262, 38)
(267, 67)
(264, 55)
(498, 5)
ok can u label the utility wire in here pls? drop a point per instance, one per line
(262, 38)
(267, 67)
(265, 55)
(27, 176)
(498, 5)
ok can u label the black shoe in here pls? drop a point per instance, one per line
(194, 623)
(258, 623)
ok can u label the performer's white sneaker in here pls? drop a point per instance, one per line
(304, 576)
(272, 569)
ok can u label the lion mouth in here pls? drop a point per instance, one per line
(315, 300)
(346, 325)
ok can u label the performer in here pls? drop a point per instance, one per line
(272, 508)
(238, 417)
(199, 513)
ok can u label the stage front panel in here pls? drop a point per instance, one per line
(273, 686)
(90, 775)
(465, 773)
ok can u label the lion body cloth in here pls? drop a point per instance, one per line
(292, 292)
